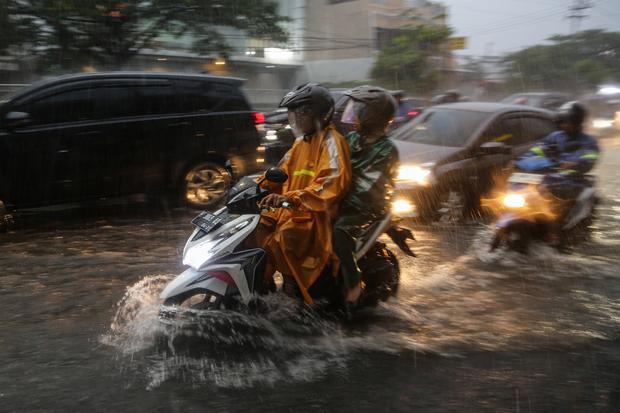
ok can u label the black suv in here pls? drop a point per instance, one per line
(89, 136)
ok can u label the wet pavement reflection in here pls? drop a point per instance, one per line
(469, 330)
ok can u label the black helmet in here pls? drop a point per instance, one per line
(377, 109)
(313, 95)
(572, 112)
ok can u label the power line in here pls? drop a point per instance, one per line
(578, 12)
(519, 23)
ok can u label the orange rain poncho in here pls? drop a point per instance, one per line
(298, 240)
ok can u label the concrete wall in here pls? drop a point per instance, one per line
(335, 31)
(339, 70)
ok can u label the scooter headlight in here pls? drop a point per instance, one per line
(514, 201)
(199, 254)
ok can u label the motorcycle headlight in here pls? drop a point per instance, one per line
(514, 201)
(413, 173)
(402, 207)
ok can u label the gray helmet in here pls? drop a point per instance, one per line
(312, 95)
(572, 112)
(377, 109)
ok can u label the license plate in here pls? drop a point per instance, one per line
(206, 221)
(523, 178)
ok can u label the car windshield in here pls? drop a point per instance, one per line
(523, 99)
(443, 127)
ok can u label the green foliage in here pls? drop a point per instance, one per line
(580, 61)
(406, 62)
(15, 30)
(73, 33)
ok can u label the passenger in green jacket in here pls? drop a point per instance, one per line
(374, 160)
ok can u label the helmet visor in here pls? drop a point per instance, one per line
(350, 114)
(300, 119)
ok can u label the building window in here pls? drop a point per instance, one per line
(338, 1)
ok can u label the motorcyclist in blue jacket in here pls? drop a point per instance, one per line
(571, 150)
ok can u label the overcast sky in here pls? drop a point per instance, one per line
(499, 26)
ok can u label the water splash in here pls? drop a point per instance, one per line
(134, 326)
(230, 349)
(476, 301)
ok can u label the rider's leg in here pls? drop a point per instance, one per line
(289, 286)
(262, 235)
(344, 247)
(565, 191)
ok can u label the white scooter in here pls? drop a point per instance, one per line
(223, 273)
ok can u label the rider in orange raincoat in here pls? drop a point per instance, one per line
(298, 239)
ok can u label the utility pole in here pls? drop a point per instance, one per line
(577, 12)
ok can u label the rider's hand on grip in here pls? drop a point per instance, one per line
(274, 201)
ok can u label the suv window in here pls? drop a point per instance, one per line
(123, 98)
(64, 106)
(117, 102)
(155, 99)
(227, 96)
(193, 96)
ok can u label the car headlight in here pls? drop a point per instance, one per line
(413, 173)
(602, 123)
(402, 207)
(514, 201)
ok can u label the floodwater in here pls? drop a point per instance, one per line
(469, 330)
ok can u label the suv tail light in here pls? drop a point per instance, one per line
(259, 118)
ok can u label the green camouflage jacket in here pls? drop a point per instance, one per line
(375, 167)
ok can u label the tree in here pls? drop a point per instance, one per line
(407, 62)
(72, 33)
(575, 62)
(15, 30)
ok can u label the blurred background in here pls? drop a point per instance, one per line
(423, 47)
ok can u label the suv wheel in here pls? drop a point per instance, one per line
(205, 185)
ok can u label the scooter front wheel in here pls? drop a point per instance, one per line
(517, 241)
(497, 240)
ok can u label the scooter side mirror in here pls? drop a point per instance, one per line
(276, 175)
(495, 148)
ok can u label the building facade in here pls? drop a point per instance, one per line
(343, 37)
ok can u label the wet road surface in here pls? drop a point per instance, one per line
(469, 330)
